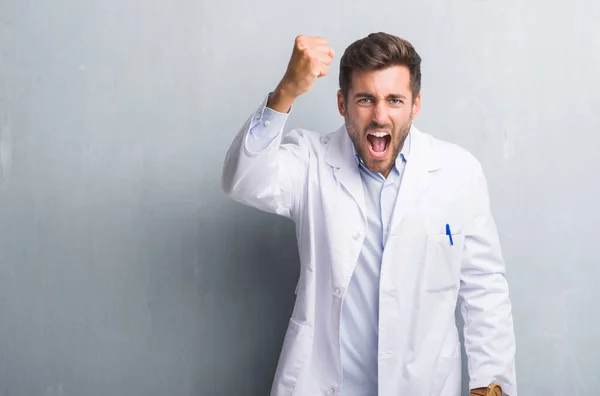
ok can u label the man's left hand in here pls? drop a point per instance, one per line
(478, 392)
(492, 390)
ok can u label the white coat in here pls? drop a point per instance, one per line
(314, 180)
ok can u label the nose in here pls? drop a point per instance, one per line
(380, 113)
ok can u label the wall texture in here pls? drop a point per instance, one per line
(125, 271)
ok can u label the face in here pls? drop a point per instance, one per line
(378, 113)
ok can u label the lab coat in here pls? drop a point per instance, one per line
(314, 180)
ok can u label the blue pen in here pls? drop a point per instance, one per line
(449, 233)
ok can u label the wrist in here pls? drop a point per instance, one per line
(281, 100)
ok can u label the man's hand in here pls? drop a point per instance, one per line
(478, 392)
(492, 390)
(310, 60)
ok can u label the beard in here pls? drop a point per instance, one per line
(361, 144)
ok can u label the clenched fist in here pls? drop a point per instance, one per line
(310, 60)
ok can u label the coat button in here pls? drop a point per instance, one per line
(337, 291)
(356, 235)
(331, 391)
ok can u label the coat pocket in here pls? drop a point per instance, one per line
(447, 376)
(443, 262)
(295, 352)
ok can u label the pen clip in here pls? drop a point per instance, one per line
(449, 233)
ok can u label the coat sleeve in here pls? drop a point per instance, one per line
(484, 297)
(265, 169)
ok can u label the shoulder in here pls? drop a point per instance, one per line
(450, 155)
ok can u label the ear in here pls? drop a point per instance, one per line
(341, 103)
(416, 107)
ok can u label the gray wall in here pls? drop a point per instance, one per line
(125, 271)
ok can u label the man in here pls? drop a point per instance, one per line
(393, 228)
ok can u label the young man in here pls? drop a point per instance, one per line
(393, 228)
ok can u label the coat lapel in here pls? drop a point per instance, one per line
(421, 162)
(340, 156)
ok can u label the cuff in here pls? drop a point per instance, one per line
(265, 126)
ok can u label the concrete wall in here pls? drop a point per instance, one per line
(125, 271)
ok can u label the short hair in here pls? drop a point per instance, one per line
(379, 51)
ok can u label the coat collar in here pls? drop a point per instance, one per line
(423, 160)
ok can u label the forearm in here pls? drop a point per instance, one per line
(485, 303)
(263, 168)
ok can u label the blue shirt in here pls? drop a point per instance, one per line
(360, 310)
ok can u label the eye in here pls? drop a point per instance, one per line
(365, 100)
(396, 101)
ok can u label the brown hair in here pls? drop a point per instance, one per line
(378, 51)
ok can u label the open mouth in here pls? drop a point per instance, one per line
(379, 142)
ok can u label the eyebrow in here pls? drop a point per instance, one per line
(368, 95)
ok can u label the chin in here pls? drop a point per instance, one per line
(378, 165)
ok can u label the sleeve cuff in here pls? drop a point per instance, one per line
(266, 125)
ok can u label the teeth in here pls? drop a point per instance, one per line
(379, 134)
